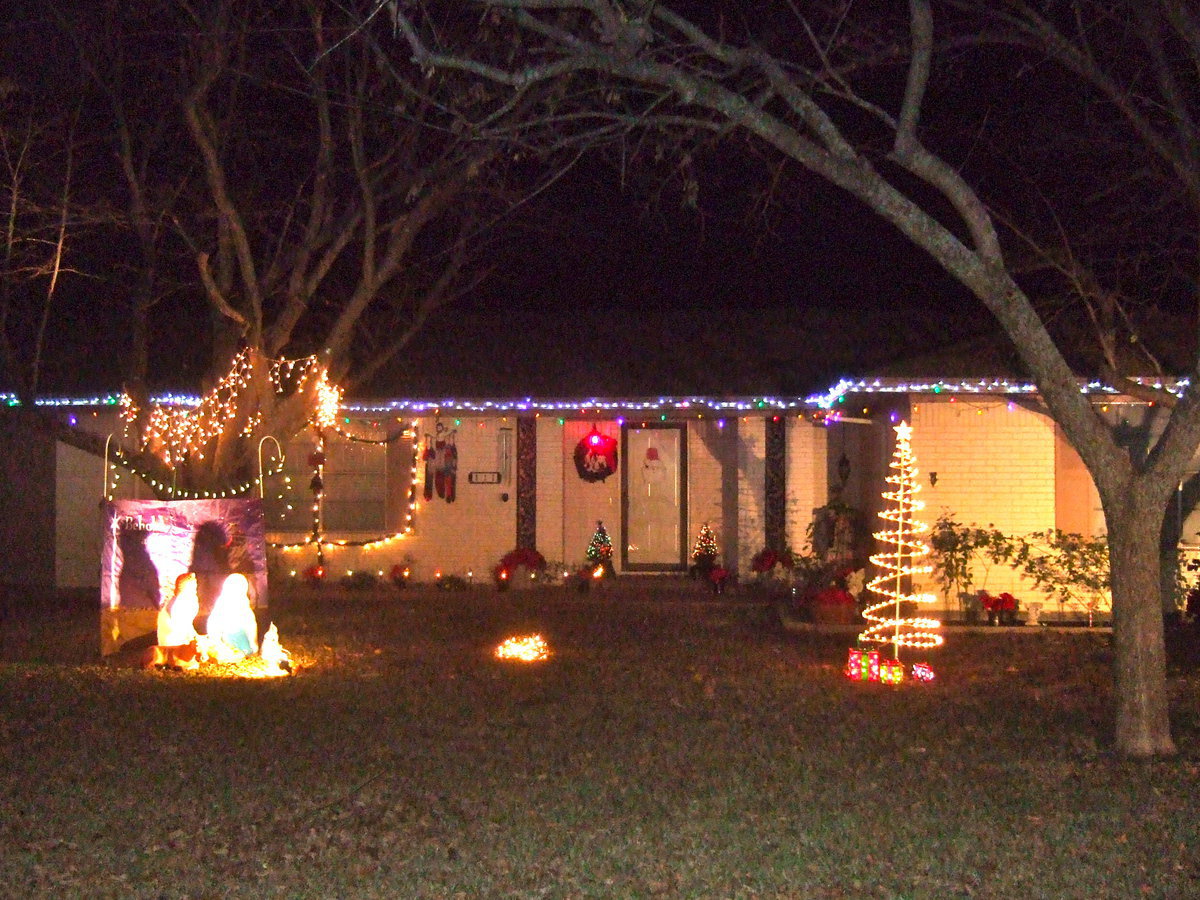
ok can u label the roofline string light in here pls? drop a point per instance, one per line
(699, 404)
(845, 386)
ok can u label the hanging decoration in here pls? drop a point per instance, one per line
(596, 456)
(316, 459)
(441, 463)
(889, 622)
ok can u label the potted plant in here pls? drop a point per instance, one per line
(718, 577)
(1001, 609)
(834, 605)
(956, 550)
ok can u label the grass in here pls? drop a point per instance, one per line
(668, 749)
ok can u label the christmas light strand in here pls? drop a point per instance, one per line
(176, 431)
(317, 540)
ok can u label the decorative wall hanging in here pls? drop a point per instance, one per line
(596, 456)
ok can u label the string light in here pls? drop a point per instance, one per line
(179, 429)
(526, 648)
(838, 391)
(316, 539)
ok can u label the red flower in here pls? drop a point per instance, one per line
(767, 559)
(1006, 602)
(717, 574)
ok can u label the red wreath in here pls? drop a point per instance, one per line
(596, 456)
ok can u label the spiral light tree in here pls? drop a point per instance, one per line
(889, 617)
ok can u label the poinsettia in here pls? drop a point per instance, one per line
(1005, 602)
(767, 559)
(504, 570)
(522, 556)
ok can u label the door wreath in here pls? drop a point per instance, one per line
(596, 456)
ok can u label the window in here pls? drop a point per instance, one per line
(355, 478)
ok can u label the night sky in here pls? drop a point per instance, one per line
(605, 287)
(603, 291)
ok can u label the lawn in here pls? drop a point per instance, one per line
(669, 748)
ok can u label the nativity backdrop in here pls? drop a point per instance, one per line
(150, 545)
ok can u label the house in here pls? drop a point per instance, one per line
(448, 487)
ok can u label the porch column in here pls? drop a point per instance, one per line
(526, 482)
(775, 485)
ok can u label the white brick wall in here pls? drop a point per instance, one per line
(551, 471)
(807, 487)
(710, 447)
(751, 463)
(994, 462)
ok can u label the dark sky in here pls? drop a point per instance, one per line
(606, 291)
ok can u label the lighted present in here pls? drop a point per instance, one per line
(922, 672)
(862, 665)
(891, 671)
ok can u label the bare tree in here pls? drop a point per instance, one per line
(276, 199)
(37, 152)
(848, 99)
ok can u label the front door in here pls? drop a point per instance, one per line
(654, 494)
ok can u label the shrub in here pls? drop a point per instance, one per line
(526, 557)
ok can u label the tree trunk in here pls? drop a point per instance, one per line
(1143, 727)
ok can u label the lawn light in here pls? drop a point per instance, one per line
(923, 672)
(525, 648)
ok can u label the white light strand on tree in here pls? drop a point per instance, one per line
(898, 566)
(176, 434)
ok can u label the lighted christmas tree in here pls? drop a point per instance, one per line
(890, 617)
(600, 550)
(705, 551)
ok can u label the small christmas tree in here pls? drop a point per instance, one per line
(600, 550)
(904, 532)
(705, 551)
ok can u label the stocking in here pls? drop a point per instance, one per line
(450, 466)
(439, 467)
(428, 457)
